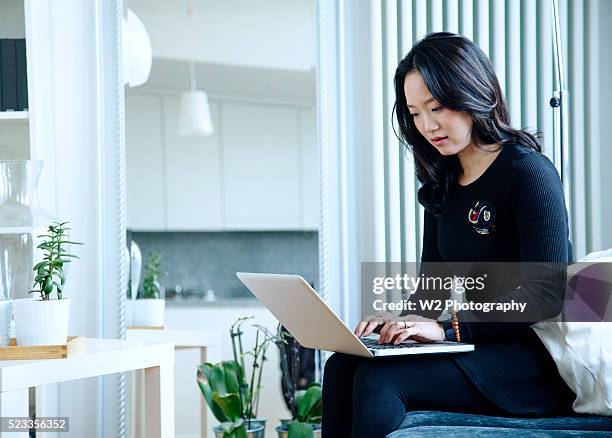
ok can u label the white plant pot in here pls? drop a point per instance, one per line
(39, 322)
(148, 312)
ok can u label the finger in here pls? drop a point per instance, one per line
(408, 333)
(383, 331)
(401, 336)
(407, 324)
(364, 323)
(370, 328)
(399, 325)
(360, 327)
(393, 334)
(387, 332)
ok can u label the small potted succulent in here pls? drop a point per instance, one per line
(222, 387)
(44, 320)
(148, 310)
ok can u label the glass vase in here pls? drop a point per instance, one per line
(22, 220)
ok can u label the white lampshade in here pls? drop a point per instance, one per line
(194, 114)
(137, 51)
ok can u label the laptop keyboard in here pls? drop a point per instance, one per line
(374, 345)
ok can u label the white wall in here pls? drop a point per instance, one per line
(272, 33)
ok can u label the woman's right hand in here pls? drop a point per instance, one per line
(374, 323)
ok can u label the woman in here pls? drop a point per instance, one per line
(489, 196)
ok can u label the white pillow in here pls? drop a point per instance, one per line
(583, 354)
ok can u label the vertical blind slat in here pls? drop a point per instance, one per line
(481, 25)
(514, 80)
(408, 187)
(497, 15)
(391, 147)
(466, 18)
(545, 75)
(529, 65)
(436, 18)
(451, 16)
(576, 79)
(419, 19)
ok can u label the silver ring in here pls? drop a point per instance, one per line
(405, 325)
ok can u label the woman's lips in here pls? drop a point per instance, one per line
(438, 141)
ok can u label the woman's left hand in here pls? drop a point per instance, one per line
(411, 327)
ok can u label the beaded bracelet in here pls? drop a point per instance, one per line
(455, 323)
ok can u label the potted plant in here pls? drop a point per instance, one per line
(251, 391)
(222, 386)
(148, 310)
(43, 320)
(305, 404)
(306, 421)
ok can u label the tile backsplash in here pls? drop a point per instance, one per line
(209, 260)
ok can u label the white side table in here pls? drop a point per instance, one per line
(100, 357)
(203, 340)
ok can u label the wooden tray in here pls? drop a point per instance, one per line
(152, 327)
(74, 345)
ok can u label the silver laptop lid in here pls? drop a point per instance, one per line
(302, 311)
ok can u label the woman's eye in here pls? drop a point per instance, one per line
(414, 115)
(438, 108)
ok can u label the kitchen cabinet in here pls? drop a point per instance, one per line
(145, 168)
(193, 174)
(261, 167)
(310, 169)
(258, 171)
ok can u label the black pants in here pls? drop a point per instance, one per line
(370, 397)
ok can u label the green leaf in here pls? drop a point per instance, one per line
(207, 392)
(240, 432)
(62, 260)
(232, 376)
(37, 266)
(311, 398)
(229, 404)
(300, 430)
(48, 287)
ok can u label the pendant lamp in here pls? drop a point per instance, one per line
(194, 111)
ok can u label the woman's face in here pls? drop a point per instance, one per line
(447, 130)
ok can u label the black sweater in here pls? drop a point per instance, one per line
(526, 222)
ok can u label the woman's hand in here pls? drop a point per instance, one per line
(395, 329)
(374, 323)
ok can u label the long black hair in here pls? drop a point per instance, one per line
(459, 76)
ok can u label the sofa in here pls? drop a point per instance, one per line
(450, 424)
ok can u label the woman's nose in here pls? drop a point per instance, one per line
(430, 125)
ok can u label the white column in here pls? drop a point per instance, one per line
(72, 77)
(14, 404)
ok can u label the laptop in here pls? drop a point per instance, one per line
(309, 320)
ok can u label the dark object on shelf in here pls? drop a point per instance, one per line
(22, 75)
(9, 75)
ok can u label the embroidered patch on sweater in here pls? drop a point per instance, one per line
(482, 217)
